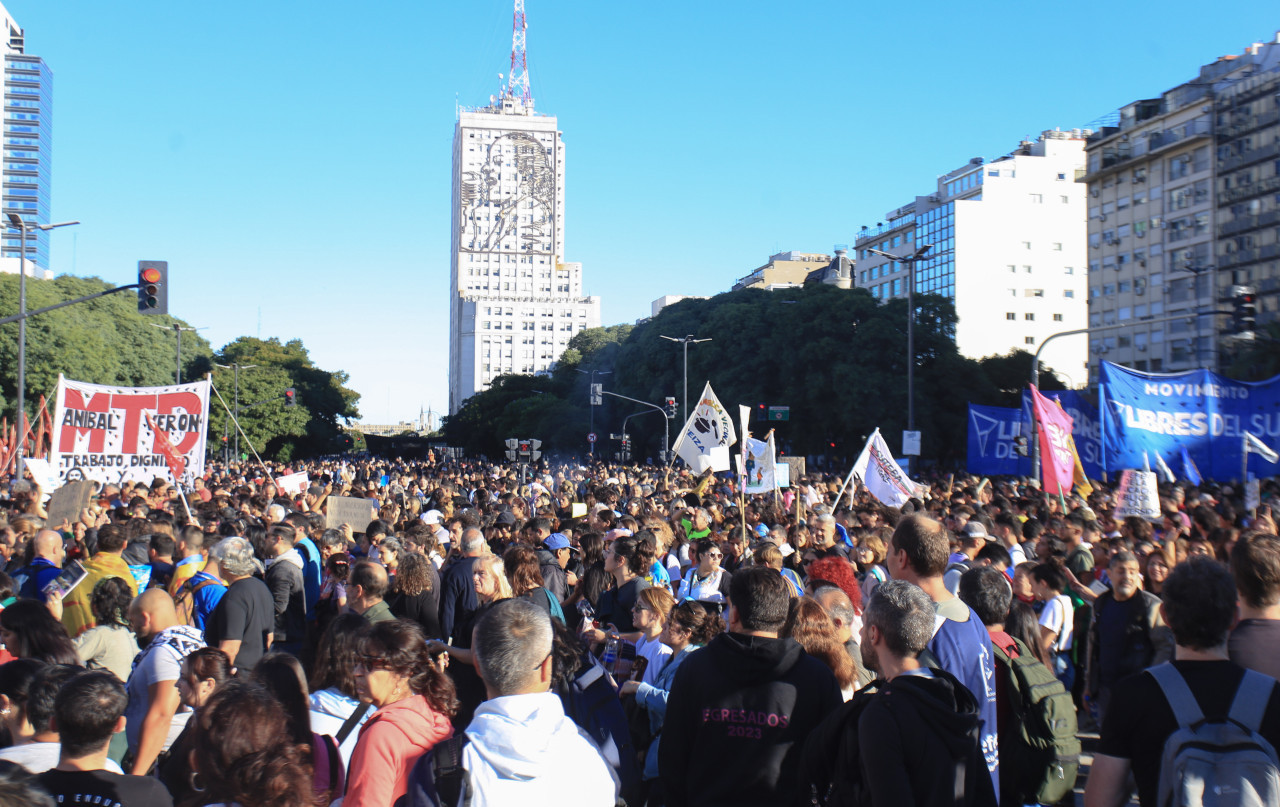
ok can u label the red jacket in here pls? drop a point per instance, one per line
(391, 741)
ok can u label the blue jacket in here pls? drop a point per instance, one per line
(35, 577)
(653, 697)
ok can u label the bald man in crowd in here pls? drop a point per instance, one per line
(155, 716)
(365, 590)
(46, 564)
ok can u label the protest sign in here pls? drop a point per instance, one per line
(102, 432)
(349, 510)
(68, 502)
(796, 468)
(1137, 496)
(293, 484)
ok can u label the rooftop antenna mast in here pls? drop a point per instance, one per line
(518, 78)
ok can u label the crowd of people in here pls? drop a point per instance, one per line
(612, 635)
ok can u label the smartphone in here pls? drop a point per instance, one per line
(73, 574)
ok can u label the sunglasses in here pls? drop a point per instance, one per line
(715, 555)
(372, 663)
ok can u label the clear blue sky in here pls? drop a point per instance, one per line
(292, 160)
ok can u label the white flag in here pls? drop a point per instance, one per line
(880, 473)
(1163, 468)
(761, 461)
(1252, 445)
(705, 439)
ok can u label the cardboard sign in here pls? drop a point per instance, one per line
(1137, 496)
(796, 470)
(69, 501)
(341, 510)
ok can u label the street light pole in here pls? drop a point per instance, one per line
(19, 223)
(686, 341)
(235, 367)
(591, 399)
(910, 261)
(178, 329)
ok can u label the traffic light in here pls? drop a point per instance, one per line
(1244, 312)
(762, 412)
(153, 287)
(670, 403)
(291, 397)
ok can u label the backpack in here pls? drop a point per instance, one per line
(830, 772)
(591, 700)
(1220, 762)
(437, 779)
(1043, 755)
(184, 602)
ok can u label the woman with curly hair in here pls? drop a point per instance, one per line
(415, 592)
(28, 630)
(811, 626)
(111, 645)
(241, 752)
(415, 699)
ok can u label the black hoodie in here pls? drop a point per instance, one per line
(736, 719)
(916, 738)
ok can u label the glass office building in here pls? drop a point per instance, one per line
(28, 144)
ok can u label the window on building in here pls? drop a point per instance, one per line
(1069, 293)
(1057, 318)
(1064, 199)
(1026, 245)
(1030, 340)
(1026, 269)
(1030, 317)
(1010, 315)
(1057, 246)
(1037, 198)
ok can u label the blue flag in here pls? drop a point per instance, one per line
(1189, 470)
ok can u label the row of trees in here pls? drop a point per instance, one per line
(836, 357)
(106, 341)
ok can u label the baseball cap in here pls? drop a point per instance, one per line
(975, 529)
(556, 541)
(432, 517)
(506, 518)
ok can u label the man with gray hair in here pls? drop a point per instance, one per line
(522, 747)
(458, 601)
(916, 739)
(848, 626)
(243, 623)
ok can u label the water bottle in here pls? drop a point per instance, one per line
(610, 657)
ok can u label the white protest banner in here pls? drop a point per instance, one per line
(293, 484)
(881, 474)
(705, 439)
(761, 463)
(1137, 496)
(43, 473)
(101, 432)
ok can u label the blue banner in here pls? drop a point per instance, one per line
(991, 447)
(1201, 411)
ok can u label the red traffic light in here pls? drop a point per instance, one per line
(151, 274)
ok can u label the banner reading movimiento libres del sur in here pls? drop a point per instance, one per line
(101, 432)
(1202, 411)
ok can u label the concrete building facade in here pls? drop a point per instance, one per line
(515, 302)
(1183, 194)
(1008, 248)
(784, 270)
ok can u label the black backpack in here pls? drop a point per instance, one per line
(437, 779)
(830, 767)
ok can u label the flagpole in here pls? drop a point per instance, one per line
(849, 478)
(1244, 460)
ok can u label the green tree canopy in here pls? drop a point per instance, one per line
(103, 341)
(836, 357)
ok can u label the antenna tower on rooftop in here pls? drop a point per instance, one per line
(518, 78)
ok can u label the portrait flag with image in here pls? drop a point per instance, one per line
(704, 441)
(761, 459)
(1252, 445)
(881, 474)
(1189, 470)
(1057, 458)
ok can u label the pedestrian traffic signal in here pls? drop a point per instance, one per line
(1244, 313)
(291, 397)
(153, 287)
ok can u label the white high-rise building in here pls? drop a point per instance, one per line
(1008, 249)
(28, 156)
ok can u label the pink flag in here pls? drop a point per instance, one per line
(1057, 462)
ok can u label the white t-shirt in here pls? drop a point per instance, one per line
(40, 757)
(160, 661)
(657, 653)
(1057, 617)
